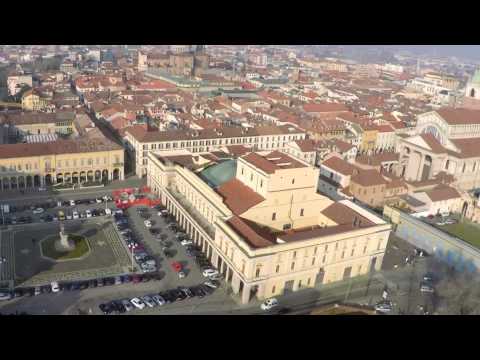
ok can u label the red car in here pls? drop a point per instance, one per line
(136, 279)
(176, 266)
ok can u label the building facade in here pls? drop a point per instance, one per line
(140, 142)
(447, 140)
(281, 235)
(24, 166)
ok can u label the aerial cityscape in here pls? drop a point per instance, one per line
(239, 180)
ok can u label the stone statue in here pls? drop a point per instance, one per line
(64, 244)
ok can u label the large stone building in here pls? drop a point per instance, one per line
(24, 166)
(261, 222)
(140, 141)
(447, 140)
(33, 100)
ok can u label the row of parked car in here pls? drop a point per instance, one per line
(56, 287)
(146, 262)
(159, 299)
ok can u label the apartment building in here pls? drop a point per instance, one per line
(280, 235)
(140, 141)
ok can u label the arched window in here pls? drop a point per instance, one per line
(472, 93)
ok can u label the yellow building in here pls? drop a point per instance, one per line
(369, 139)
(262, 224)
(24, 166)
(34, 101)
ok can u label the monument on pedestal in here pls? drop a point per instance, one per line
(64, 243)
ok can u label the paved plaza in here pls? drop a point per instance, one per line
(107, 255)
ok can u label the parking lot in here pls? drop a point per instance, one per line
(150, 247)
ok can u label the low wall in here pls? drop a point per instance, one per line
(445, 247)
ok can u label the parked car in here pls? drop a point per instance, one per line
(38, 211)
(186, 242)
(269, 304)
(75, 215)
(148, 223)
(384, 307)
(159, 300)
(426, 288)
(210, 272)
(176, 266)
(38, 291)
(55, 287)
(5, 296)
(149, 301)
(127, 304)
(182, 274)
(88, 213)
(212, 283)
(139, 304)
(106, 309)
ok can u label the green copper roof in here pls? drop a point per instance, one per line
(476, 77)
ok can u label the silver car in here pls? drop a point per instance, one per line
(149, 301)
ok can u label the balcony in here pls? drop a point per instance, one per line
(195, 214)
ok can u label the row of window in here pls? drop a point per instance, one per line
(183, 144)
(313, 262)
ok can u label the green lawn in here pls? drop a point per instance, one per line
(465, 231)
(81, 248)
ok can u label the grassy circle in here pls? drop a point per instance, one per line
(81, 248)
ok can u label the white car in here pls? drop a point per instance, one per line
(38, 211)
(210, 272)
(99, 201)
(148, 223)
(139, 304)
(5, 296)
(75, 215)
(119, 212)
(72, 202)
(186, 242)
(269, 304)
(69, 217)
(42, 189)
(88, 213)
(108, 211)
(181, 274)
(55, 287)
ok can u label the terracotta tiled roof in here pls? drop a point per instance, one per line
(306, 145)
(273, 161)
(238, 150)
(238, 197)
(460, 116)
(368, 178)
(468, 147)
(433, 143)
(253, 235)
(343, 215)
(57, 147)
(324, 107)
(377, 159)
(339, 165)
(442, 192)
